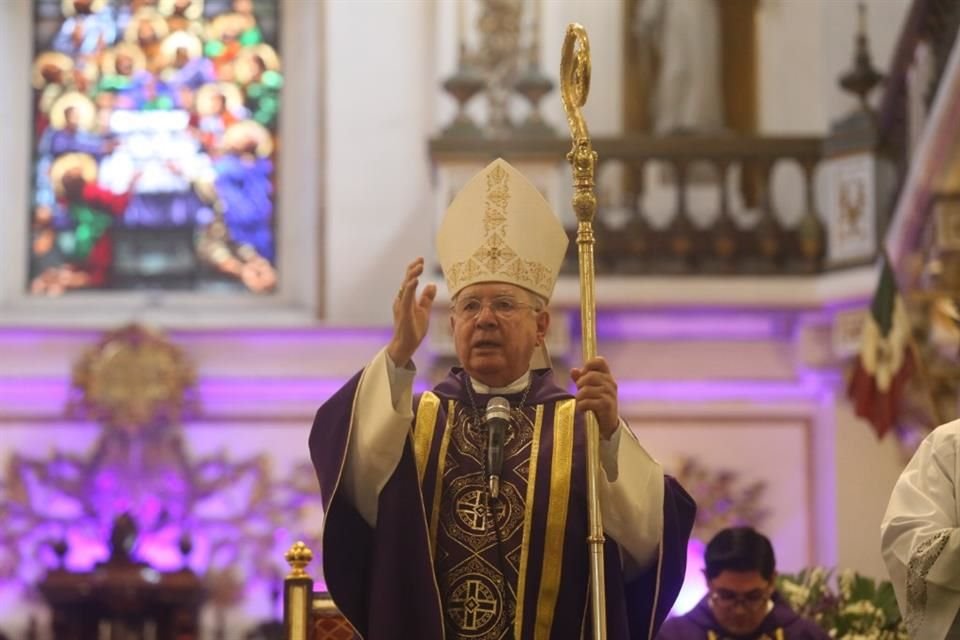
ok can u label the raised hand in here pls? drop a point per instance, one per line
(597, 392)
(411, 315)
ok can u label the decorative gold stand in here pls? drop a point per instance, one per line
(309, 614)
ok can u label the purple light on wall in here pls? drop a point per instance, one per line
(805, 387)
(24, 335)
(250, 396)
(379, 335)
(691, 324)
(85, 550)
(159, 549)
(694, 582)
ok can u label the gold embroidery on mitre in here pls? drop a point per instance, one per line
(498, 196)
(539, 274)
(453, 275)
(495, 254)
(529, 271)
(495, 257)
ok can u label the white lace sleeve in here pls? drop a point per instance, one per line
(920, 538)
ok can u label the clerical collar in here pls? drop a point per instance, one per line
(516, 386)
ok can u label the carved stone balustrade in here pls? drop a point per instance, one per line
(724, 204)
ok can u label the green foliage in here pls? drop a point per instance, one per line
(852, 607)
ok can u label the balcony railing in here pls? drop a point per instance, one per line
(723, 204)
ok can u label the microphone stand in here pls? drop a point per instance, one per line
(574, 87)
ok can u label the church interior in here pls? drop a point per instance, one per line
(210, 204)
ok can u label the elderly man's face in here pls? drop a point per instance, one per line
(496, 343)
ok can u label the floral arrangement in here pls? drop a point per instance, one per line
(859, 608)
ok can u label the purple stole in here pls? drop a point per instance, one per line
(435, 566)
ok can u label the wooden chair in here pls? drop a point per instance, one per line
(309, 614)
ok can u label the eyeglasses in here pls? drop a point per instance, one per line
(750, 600)
(504, 307)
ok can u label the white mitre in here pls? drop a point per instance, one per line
(500, 229)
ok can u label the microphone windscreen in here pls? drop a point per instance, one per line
(498, 409)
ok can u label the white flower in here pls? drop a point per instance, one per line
(796, 595)
(862, 608)
(845, 580)
(817, 576)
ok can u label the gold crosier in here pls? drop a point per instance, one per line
(574, 87)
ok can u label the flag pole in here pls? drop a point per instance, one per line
(574, 87)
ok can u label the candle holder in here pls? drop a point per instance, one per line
(533, 85)
(463, 85)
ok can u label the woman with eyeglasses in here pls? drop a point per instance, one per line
(741, 603)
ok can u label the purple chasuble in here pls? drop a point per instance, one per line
(447, 561)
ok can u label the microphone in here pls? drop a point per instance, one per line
(497, 417)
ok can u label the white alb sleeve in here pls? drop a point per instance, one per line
(631, 497)
(381, 422)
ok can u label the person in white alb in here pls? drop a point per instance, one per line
(920, 537)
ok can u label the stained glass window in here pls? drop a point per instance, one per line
(154, 141)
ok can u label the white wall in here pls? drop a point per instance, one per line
(602, 20)
(15, 46)
(866, 472)
(805, 46)
(838, 24)
(379, 115)
(789, 84)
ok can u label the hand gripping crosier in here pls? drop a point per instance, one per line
(574, 87)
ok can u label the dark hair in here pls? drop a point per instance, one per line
(739, 549)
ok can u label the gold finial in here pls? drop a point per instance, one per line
(298, 557)
(863, 77)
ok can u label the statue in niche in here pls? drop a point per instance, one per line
(679, 43)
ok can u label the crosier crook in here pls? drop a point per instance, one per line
(574, 87)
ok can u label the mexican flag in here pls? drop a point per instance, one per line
(885, 360)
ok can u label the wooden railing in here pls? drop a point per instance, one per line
(688, 204)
